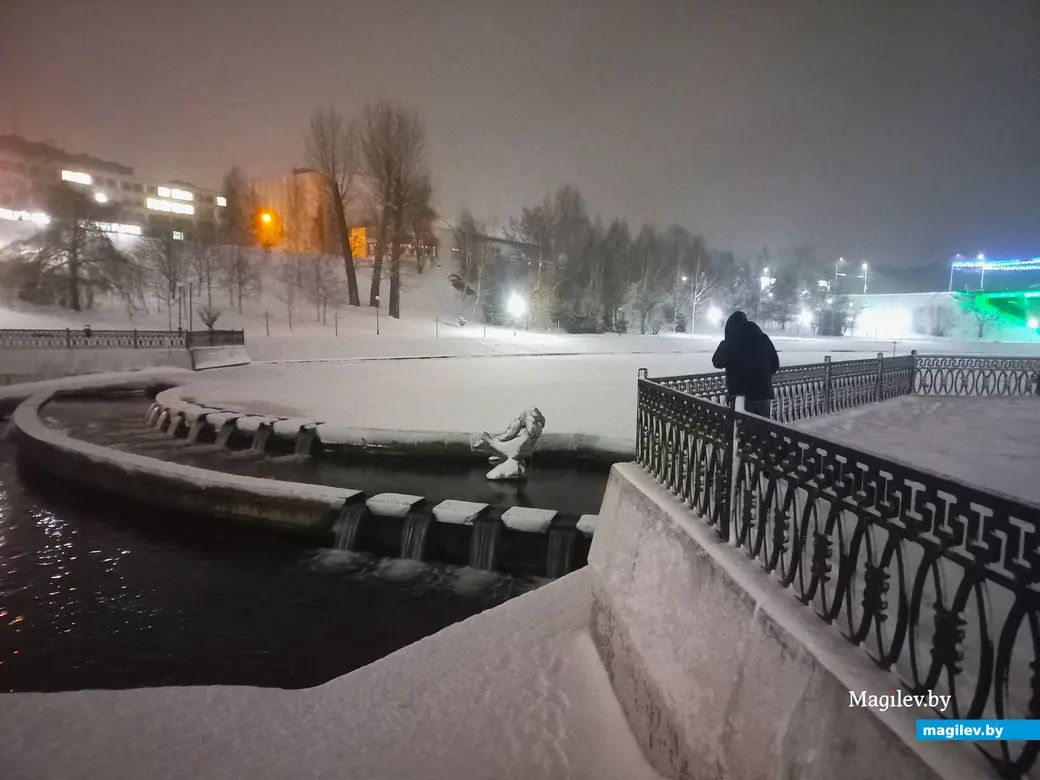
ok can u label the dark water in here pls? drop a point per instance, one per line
(120, 423)
(95, 594)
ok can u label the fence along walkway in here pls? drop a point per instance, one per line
(118, 339)
(937, 581)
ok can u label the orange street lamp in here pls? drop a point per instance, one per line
(266, 217)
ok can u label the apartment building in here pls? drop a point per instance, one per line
(29, 169)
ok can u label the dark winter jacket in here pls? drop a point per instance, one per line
(749, 358)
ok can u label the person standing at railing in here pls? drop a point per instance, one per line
(750, 360)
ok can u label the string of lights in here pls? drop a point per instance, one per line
(982, 264)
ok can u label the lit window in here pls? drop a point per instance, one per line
(164, 192)
(101, 197)
(182, 208)
(180, 195)
(159, 205)
(178, 235)
(77, 177)
(221, 200)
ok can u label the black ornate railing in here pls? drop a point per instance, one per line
(117, 339)
(960, 375)
(938, 581)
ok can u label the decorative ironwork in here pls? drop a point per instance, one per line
(938, 581)
(117, 339)
(987, 376)
(216, 338)
(685, 442)
(875, 547)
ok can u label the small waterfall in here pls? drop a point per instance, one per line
(175, 426)
(160, 423)
(225, 432)
(263, 433)
(561, 551)
(197, 428)
(413, 535)
(347, 526)
(483, 544)
(152, 414)
(305, 441)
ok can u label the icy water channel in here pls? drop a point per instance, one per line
(570, 490)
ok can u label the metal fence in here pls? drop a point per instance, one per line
(938, 581)
(118, 339)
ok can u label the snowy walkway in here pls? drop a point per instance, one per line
(515, 692)
(993, 443)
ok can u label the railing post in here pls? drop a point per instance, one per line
(913, 372)
(880, 374)
(732, 466)
(641, 433)
(135, 338)
(828, 401)
(68, 338)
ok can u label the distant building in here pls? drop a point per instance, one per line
(28, 169)
(302, 205)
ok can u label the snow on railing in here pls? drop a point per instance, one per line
(934, 578)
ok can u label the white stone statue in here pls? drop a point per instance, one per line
(513, 447)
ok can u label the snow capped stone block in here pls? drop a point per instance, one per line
(289, 428)
(458, 512)
(253, 424)
(522, 518)
(219, 357)
(392, 504)
(587, 524)
(217, 419)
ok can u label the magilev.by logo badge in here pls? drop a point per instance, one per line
(886, 701)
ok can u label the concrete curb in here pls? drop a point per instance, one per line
(289, 506)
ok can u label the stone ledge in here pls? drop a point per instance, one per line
(282, 505)
(721, 673)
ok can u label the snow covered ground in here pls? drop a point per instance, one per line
(993, 443)
(578, 394)
(518, 691)
(429, 326)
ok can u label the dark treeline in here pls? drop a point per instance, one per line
(587, 276)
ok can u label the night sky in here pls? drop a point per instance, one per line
(895, 131)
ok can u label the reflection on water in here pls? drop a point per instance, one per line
(103, 595)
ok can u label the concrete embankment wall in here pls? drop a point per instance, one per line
(30, 365)
(285, 505)
(722, 673)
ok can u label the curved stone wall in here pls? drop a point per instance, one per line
(518, 540)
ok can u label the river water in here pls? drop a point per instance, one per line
(95, 594)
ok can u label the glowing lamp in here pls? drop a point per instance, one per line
(714, 315)
(516, 306)
(1034, 323)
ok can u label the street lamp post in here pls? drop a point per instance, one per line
(837, 272)
(864, 277)
(982, 281)
(377, 315)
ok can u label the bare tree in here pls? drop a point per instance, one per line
(332, 149)
(74, 259)
(985, 318)
(289, 273)
(393, 159)
(651, 278)
(162, 262)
